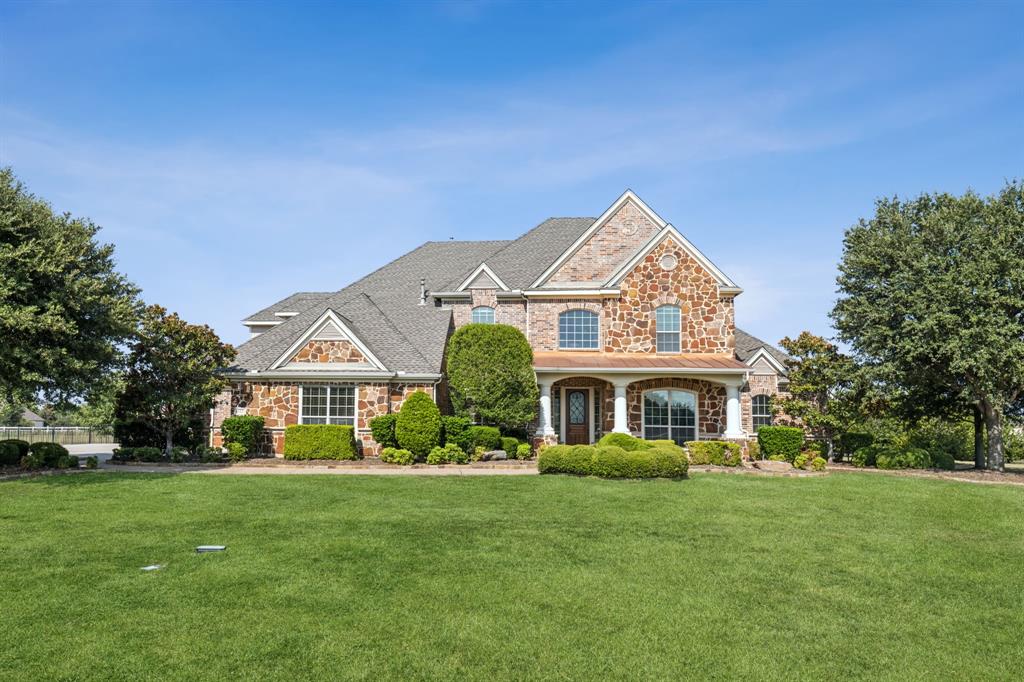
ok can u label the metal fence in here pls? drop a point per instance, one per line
(65, 435)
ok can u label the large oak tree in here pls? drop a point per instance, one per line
(932, 294)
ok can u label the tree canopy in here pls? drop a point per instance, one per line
(64, 310)
(490, 375)
(171, 373)
(932, 296)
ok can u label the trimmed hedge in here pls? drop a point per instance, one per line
(396, 456)
(10, 454)
(780, 440)
(457, 430)
(245, 430)
(418, 427)
(48, 454)
(20, 447)
(510, 445)
(486, 437)
(622, 440)
(717, 452)
(320, 441)
(612, 461)
(382, 428)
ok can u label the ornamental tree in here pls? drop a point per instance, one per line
(824, 387)
(171, 373)
(490, 375)
(932, 293)
(64, 311)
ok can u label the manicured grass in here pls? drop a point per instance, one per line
(331, 577)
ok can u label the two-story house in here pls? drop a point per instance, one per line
(632, 329)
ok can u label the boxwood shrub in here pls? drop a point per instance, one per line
(524, 451)
(10, 454)
(612, 461)
(717, 452)
(48, 454)
(382, 428)
(509, 445)
(20, 447)
(246, 430)
(418, 427)
(457, 430)
(320, 441)
(486, 437)
(397, 456)
(780, 440)
(449, 454)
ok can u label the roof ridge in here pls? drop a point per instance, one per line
(374, 272)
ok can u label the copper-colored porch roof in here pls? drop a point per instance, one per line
(637, 361)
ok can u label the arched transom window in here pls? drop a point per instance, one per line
(484, 314)
(761, 408)
(670, 414)
(577, 329)
(666, 327)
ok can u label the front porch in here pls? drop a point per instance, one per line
(681, 397)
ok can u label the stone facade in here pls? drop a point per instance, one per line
(707, 318)
(608, 248)
(710, 403)
(329, 351)
(278, 403)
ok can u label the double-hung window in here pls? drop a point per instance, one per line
(666, 327)
(483, 314)
(761, 409)
(327, 404)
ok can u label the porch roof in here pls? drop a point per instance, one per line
(638, 362)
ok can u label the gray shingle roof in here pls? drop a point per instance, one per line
(382, 308)
(747, 345)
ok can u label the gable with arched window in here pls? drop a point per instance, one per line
(578, 329)
(667, 327)
(761, 409)
(483, 314)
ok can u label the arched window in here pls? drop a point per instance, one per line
(577, 329)
(666, 326)
(484, 314)
(761, 408)
(670, 415)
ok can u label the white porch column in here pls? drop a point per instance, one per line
(621, 423)
(732, 412)
(544, 428)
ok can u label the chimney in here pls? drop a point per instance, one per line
(423, 292)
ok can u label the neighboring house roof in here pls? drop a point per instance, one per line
(30, 416)
(747, 345)
(383, 308)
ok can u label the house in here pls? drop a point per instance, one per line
(632, 329)
(32, 419)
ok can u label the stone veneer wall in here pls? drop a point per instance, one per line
(608, 248)
(278, 403)
(329, 351)
(707, 318)
(710, 403)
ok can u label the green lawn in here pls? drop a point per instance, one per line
(849, 575)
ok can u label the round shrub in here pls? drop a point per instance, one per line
(457, 430)
(818, 464)
(524, 451)
(10, 455)
(780, 440)
(418, 428)
(67, 462)
(943, 460)
(92, 462)
(236, 451)
(397, 456)
(449, 454)
(246, 430)
(382, 428)
(48, 453)
(20, 448)
(509, 445)
(31, 461)
(486, 437)
(801, 461)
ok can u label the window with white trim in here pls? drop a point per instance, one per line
(761, 409)
(577, 329)
(667, 327)
(326, 404)
(483, 314)
(670, 415)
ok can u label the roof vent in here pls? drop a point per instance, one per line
(423, 292)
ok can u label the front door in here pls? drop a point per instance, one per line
(577, 425)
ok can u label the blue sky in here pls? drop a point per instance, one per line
(235, 153)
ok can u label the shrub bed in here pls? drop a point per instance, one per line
(382, 429)
(12, 450)
(243, 430)
(717, 452)
(780, 441)
(320, 441)
(449, 454)
(397, 456)
(48, 454)
(612, 461)
(894, 457)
